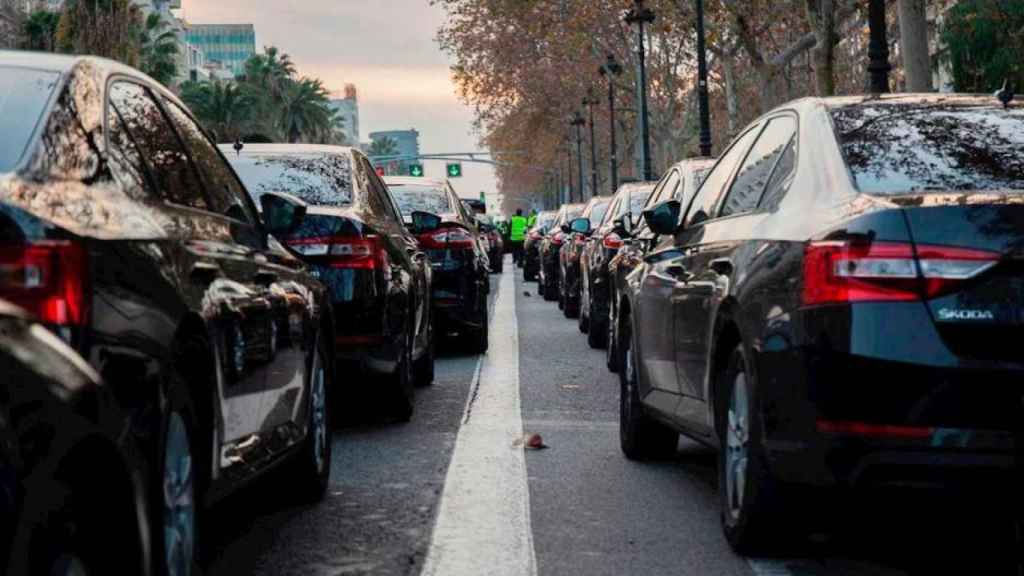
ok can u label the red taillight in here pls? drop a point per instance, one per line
(867, 430)
(49, 279)
(453, 237)
(838, 272)
(558, 238)
(361, 253)
(579, 240)
(536, 235)
(612, 241)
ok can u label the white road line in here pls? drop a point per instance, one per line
(483, 524)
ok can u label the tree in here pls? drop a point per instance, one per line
(222, 107)
(40, 31)
(158, 50)
(271, 70)
(984, 44)
(108, 28)
(383, 147)
(304, 114)
(914, 46)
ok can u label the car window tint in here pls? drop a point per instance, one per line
(124, 158)
(173, 173)
(23, 97)
(597, 213)
(711, 190)
(781, 178)
(226, 194)
(637, 199)
(667, 189)
(944, 145)
(380, 191)
(745, 193)
(322, 179)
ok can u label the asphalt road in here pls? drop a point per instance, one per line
(583, 508)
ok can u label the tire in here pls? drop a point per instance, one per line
(549, 289)
(401, 384)
(611, 357)
(423, 369)
(178, 484)
(311, 470)
(478, 339)
(754, 512)
(584, 316)
(640, 437)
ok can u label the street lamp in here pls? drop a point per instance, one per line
(878, 48)
(641, 15)
(577, 122)
(610, 69)
(568, 170)
(590, 101)
(702, 85)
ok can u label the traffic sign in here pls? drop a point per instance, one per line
(416, 170)
(455, 170)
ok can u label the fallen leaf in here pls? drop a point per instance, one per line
(527, 294)
(535, 442)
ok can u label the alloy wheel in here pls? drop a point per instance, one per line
(178, 499)
(318, 414)
(737, 443)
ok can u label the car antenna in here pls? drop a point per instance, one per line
(238, 146)
(1005, 94)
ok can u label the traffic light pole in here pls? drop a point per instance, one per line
(590, 101)
(578, 122)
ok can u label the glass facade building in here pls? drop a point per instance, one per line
(230, 44)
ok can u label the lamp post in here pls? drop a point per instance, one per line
(578, 122)
(702, 85)
(568, 169)
(610, 69)
(641, 15)
(878, 48)
(590, 101)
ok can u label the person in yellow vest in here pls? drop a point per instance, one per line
(517, 235)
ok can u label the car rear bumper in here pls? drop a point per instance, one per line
(456, 299)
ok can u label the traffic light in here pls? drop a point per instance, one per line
(455, 170)
(416, 170)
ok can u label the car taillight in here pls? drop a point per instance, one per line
(579, 240)
(454, 237)
(837, 272)
(558, 238)
(356, 252)
(49, 279)
(612, 241)
(536, 235)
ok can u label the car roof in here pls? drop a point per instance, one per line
(286, 149)
(413, 180)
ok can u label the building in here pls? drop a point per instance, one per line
(230, 44)
(407, 144)
(347, 109)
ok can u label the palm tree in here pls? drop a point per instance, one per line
(158, 49)
(271, 71)
(223, 107)
(40, 31)
(384, 147)
(304, 114)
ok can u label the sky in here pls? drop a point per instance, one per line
(387, 49)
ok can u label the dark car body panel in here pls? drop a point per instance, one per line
(572, 252)
(549, 254)
(533, 242)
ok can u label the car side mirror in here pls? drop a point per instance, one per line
(282, 213)
(423, 222)
(581, 226)
(663, 218)
(623, 225)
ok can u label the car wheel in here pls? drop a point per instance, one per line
(549, 289)
(478, 339)
(312, 469)
(177, 515)
(584, 315)
(423, 371)
(403, 395)
(752, 503)
(597, 335)
(611, 357)
(640, 437)
(572, 303)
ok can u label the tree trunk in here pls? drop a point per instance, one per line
(914, 45)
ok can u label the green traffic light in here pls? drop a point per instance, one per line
(455, 170)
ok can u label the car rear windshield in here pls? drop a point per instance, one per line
(418, 198)
(320, 179)
(23, 97)
(544, 221)
(597, 212)
(899, 149)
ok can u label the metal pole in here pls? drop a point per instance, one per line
(590, 102)
(878, 48)
(578, 122)
(640, 16)
(702, 85)
(611, 69)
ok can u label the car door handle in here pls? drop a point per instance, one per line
(722, 266)
(266, 277)
(205, 271)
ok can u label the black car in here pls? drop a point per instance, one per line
(531, 246)
(71, 495)
(838, 306)
(355, 242)
(549, 252)
(604, 238)
(572, 250)
(679, 183)
(455, 249)
(125, 231)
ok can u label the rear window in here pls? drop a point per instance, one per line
(415, 198)
(320, 179)
(638, 199)
(898, 149)
(598, 211)
(544, 221)
(23, 97)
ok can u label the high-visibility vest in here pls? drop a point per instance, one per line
(518, 233)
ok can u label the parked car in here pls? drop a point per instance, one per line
(355, 242)
(572, 250)
(548, 254)
(125, 231)
(603, 242)
(461, 277)
(495, 243)
(71, 485)
(679, 183)
(531, 246)
(826, 306)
